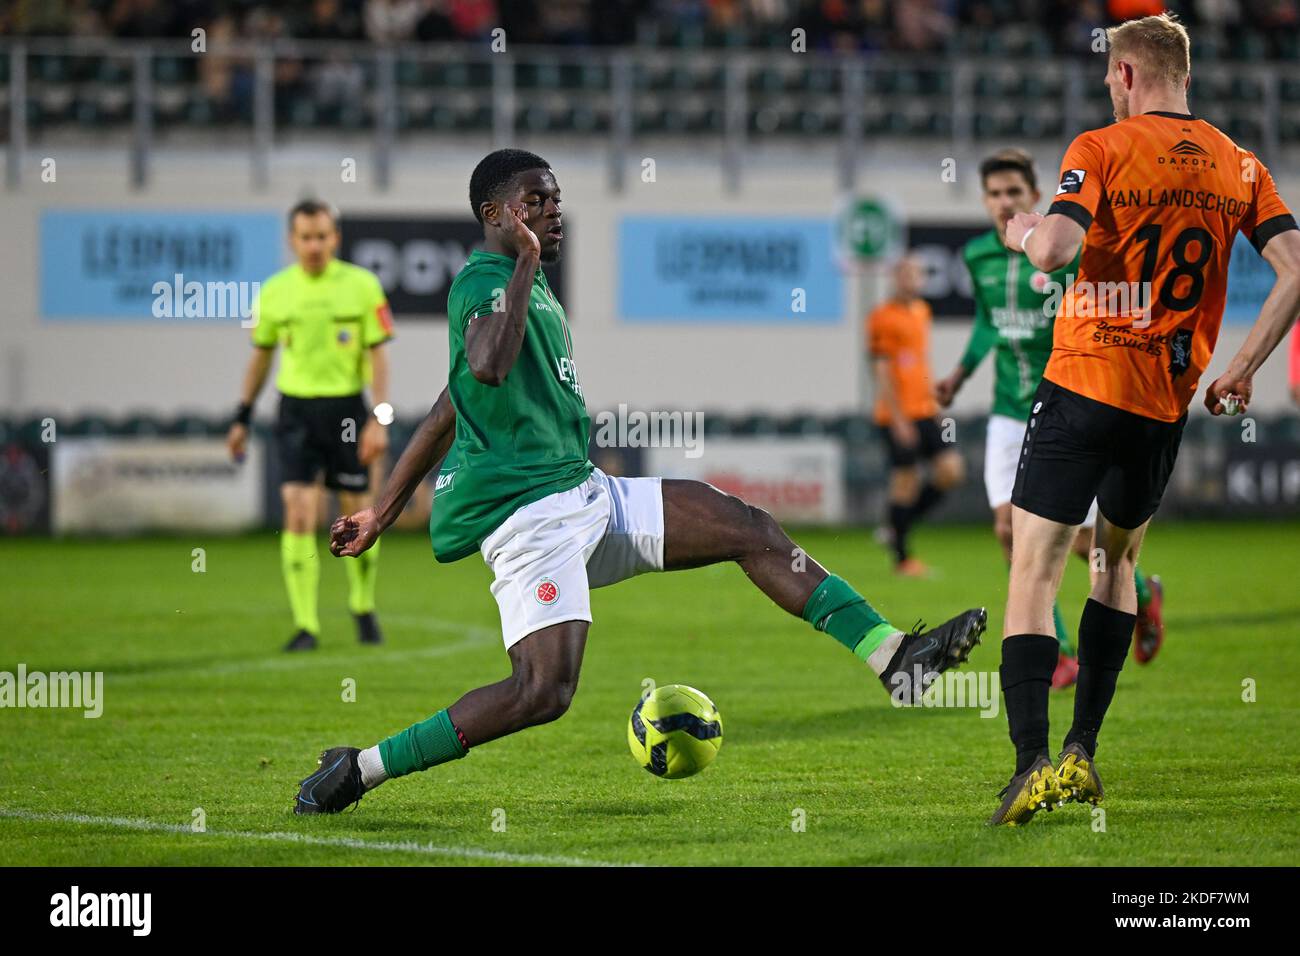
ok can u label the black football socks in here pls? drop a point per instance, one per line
(1028, 661)
(900, 521)
(1104, 637)
(902, 517)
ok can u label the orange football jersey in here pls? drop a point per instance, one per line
(901, 333)
(1162, 197)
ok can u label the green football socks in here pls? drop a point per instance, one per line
(844, 614)
(301, 565)
(421, 746)
(1062, 635)
(1143, 589)
(362, 572)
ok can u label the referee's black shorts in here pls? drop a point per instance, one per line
(314, 435)
(1077, 449)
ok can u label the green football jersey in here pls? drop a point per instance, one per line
(326, 323)
(1011, 318)
(517, 442)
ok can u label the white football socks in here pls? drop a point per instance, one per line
(372, 767)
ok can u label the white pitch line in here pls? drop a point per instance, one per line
(348, 843)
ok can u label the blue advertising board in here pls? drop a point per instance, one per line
(729, 269)
(106, 265)
(1250, 278)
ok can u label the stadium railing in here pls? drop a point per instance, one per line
(282, 90)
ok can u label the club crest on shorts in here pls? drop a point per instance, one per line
(547, 591)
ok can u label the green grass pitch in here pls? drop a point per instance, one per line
(202, 711)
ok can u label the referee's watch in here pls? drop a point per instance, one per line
(383, 413)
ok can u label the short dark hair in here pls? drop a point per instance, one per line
(313, 207)
(1009, 160)
(495, 171)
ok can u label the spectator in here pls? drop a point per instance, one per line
(219, 77)
(614, 22)
(473, 19)
(334, 79)
(392, 21)
(141, 19)
(921, 26)
(434, 25)
(564, 21)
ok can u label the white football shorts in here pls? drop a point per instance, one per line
(549, 554)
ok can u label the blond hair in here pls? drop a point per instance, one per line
(1159, 44)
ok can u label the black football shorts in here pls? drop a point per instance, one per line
(929, 442)
(315, 435)
(1077, 449)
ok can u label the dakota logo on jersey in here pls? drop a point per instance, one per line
(547, 592)
(1180, 352)
(1187, 155)
(1071, 181)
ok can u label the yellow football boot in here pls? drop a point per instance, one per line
(1078, 775)
(1038, 788)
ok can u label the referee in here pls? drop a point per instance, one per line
(332, 319)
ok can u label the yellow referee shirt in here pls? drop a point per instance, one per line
(327, 324)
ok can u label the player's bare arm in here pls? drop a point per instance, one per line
(904, 428)
(1276, 317)
(374, 436)
(1051, 242)
(946, 389)
(259, 364)
(352, 534)
(492, 343)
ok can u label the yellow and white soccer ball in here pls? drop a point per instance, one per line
(675, 731)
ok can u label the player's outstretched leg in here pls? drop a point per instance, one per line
(542, 681)
(703, 526)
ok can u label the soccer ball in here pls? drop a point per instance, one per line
(675, 731)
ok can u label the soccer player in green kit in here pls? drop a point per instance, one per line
(517, 487)
(1014, 318)
(332, 319)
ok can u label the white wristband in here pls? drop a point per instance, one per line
(1024, 243)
